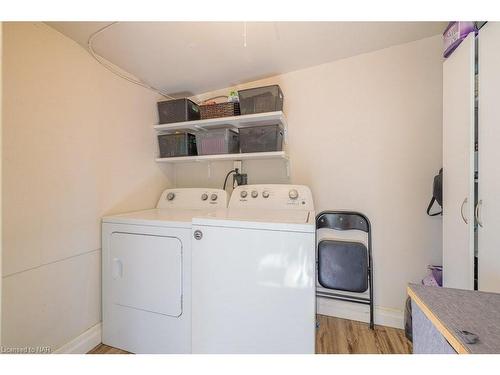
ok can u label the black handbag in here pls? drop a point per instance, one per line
(437, 194)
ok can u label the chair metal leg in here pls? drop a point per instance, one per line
(371, 294)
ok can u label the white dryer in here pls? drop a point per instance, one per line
(146, 272)
(254, 273)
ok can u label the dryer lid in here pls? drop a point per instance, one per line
(157, 217)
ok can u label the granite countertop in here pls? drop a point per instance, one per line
(455, 310)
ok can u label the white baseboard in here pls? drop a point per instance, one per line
(83, 343)
(340, 309)
(353, 311)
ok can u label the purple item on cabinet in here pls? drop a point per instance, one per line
(454, 33)
(429, 280)
(437, 273)
(435, 278)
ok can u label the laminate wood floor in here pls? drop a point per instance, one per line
(342, 336)
(338, 336)
(105, 349)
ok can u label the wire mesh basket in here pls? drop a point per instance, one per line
(219, 110)
(179, 144)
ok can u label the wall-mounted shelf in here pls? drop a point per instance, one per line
(235, 122)
(243, 156)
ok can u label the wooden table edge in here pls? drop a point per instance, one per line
(452, 340)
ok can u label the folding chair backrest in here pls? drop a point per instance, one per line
(340, 220)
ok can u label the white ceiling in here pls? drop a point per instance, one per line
(188, 58)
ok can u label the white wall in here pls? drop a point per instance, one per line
(365, 135)
(77, 144)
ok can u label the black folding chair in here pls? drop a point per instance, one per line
(345, 265)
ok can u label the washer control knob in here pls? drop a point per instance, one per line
(170, 196)
(265, 194)
(243, 194)
(213, 197)
(293, 194)
(255, 193)
(198, 234)
(204, 196)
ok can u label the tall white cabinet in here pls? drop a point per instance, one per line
(458, 166)
(488, 207)
(471, 180)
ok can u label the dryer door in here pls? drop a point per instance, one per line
(146, 272)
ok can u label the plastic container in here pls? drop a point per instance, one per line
(261, 99)
(454, 33)
(261, 138)
(217, 141)
(179, 144)
(178, 110)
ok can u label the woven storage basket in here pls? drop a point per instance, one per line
(219, 110)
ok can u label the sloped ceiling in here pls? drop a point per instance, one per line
(188, 58)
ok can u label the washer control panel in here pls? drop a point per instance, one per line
(272, 196)
(193, 198)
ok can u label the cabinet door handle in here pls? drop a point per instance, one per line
(478, 213)
(462, 211)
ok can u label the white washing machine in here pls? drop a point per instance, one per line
(254, 273)
(146, 272)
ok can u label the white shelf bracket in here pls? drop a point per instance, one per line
(209, 169)
(287, 168)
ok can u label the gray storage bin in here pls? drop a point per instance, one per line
(261, 99)
(217, 141)
(261, 138)
(178, 110)
(179, 144)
